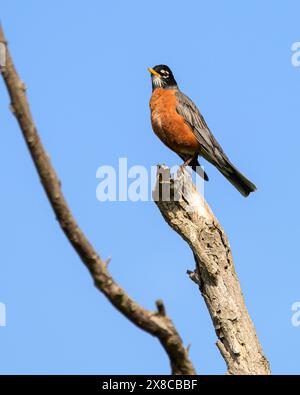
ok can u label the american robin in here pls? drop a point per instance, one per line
(180, 126)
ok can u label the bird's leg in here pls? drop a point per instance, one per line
(189, 160)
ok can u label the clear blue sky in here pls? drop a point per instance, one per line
(85, 66)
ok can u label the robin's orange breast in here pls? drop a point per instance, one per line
(169, 126)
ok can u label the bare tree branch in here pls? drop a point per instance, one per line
(190, 216)
(155, 323)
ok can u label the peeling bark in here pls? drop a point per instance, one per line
(190, 216)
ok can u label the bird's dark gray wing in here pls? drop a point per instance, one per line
(210, 148)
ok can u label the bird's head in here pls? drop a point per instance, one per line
(162, 77)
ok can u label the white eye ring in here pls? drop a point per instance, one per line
(165, 72)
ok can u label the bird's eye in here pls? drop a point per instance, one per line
(165, 73)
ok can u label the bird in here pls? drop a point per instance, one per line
(179, 124)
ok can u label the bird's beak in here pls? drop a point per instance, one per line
(153, 72)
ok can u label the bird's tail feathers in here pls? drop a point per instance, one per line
(237, 179)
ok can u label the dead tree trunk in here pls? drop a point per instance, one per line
(189, 215)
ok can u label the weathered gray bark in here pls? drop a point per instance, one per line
(189, 215)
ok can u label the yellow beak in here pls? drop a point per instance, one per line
(153, 72)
